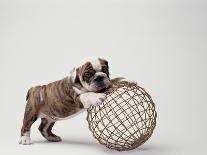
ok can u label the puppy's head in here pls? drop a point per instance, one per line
(92, 74)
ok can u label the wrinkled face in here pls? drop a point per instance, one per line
(93, 75)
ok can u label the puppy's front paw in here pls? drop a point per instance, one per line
(25, 140)
(129, 81)
(98, 99)
(91, 98)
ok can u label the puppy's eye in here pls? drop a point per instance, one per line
(87, 74)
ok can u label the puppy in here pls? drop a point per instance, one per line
(65, 98)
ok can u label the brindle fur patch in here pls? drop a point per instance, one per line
(87, 72)
(56, 99)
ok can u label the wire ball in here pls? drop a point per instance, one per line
(125, 120)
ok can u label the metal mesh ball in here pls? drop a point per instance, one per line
(125, 120)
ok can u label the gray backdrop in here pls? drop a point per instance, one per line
(162, 44)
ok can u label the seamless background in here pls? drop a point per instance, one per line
(162, 44)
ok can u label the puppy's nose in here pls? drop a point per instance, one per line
(99, 78)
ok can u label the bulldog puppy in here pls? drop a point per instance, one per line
(65, 98)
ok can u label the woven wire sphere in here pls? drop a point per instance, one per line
(125, 120)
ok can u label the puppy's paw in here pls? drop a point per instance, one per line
(129, 81)
(54, 139)
(98, 99)
(92, 98)
(25, 140)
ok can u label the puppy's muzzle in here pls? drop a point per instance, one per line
(99, 78)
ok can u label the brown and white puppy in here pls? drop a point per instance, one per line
(65, 98)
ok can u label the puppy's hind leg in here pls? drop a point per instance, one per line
(46, 130)
(30, 116)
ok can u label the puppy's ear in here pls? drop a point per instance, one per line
(77, 79)
(75, 76)
(103, 61)
(107, 64)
